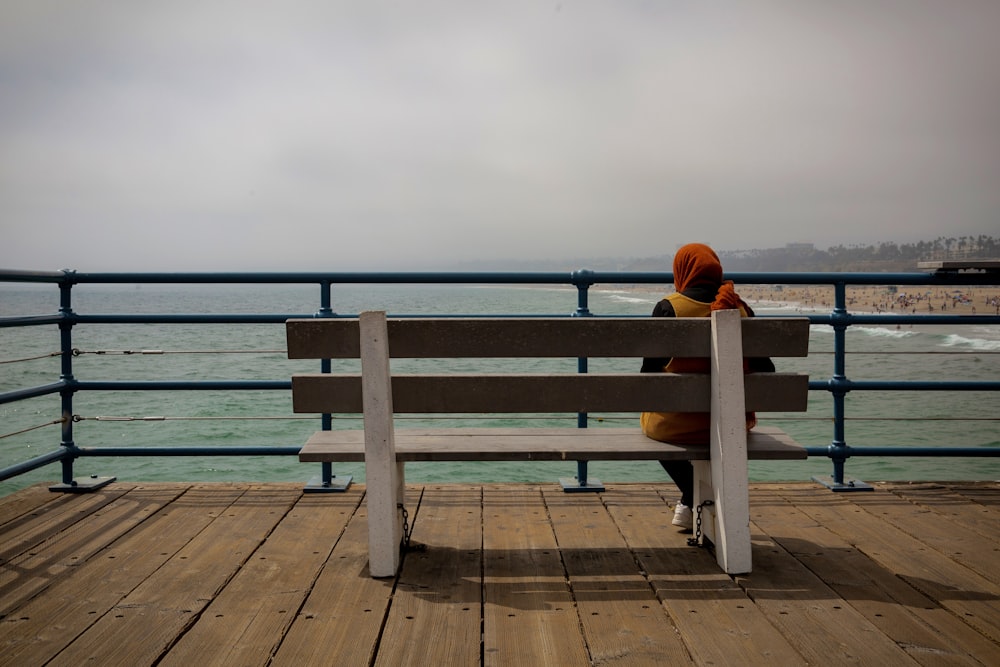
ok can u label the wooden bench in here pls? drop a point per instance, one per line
(727, 393)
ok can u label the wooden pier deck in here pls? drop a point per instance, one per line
(226, 574)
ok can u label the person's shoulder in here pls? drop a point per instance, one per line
(664, 308)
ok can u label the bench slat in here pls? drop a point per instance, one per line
(592, 392)
(536, 444)
(544, 337)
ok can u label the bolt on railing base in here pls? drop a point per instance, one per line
(335, 485)
(572, 485)
(83, 484)
(848, 485)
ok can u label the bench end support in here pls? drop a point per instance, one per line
(317, 484)
(573, 485)
(384, 475)
(847, 485)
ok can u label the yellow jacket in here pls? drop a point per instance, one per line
(689, 428)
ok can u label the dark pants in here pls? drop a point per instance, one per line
(682, 472)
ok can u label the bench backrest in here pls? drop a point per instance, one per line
(547, 338)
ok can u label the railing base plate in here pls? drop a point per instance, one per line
(83, 484)
(335, 485)
(572, 485)
(848, 485)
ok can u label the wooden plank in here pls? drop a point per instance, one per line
(623, 622)
(337, 338)
(47, 564)
(891, 543)
(536, 444)
(955, 507)
(529, 617)
(930, 605)
(383, 475)
(341, 620)
(510, 392)
(24, 504)
(934, 529)
(245, 624)
(809, 613)
(438, 597)
(776, 392)
(775, 337)
(728, 518)
(47, 624)
(506, 337)
(718, 623)
(165, 603)
(541, 393)
(52, 518)
(986, 494)
(930, 634)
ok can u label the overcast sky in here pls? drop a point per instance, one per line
(333, 135)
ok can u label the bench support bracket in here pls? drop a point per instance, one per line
(846, 485)
(573, 485)
(334, 485)
(83, 484)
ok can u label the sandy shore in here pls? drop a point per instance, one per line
(919, 299)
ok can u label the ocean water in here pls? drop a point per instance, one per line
(257, 351)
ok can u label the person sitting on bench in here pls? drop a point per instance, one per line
(699, 289)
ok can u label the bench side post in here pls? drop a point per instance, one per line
(727, 466)
(383, 475)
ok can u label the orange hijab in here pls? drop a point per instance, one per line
(697, 264)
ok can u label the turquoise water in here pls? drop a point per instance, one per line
(217, 352)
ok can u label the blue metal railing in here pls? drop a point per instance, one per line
(838, 385)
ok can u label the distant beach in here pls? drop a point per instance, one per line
(916, 299)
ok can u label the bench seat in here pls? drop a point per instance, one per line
(378, 394)
(537, 444)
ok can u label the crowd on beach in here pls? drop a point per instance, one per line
(881, 299)
(915, 299)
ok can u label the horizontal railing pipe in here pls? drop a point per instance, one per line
(180, 318)
(911, 452)
(837, 386)
(32, 392)
(180, 385)
(921, 385)
(33, 464)
(30, 320)
(528, 277)
(193, 450)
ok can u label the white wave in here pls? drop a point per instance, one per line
(625, 298)
(882, 332)
(954, 340)
(874, 332)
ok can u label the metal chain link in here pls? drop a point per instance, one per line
(406, 526)
(696, 540)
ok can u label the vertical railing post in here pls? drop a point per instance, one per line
(839, 452)
(583, 279)
(326, 481)
(66, 376)
(66, 322)
(838, 447)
